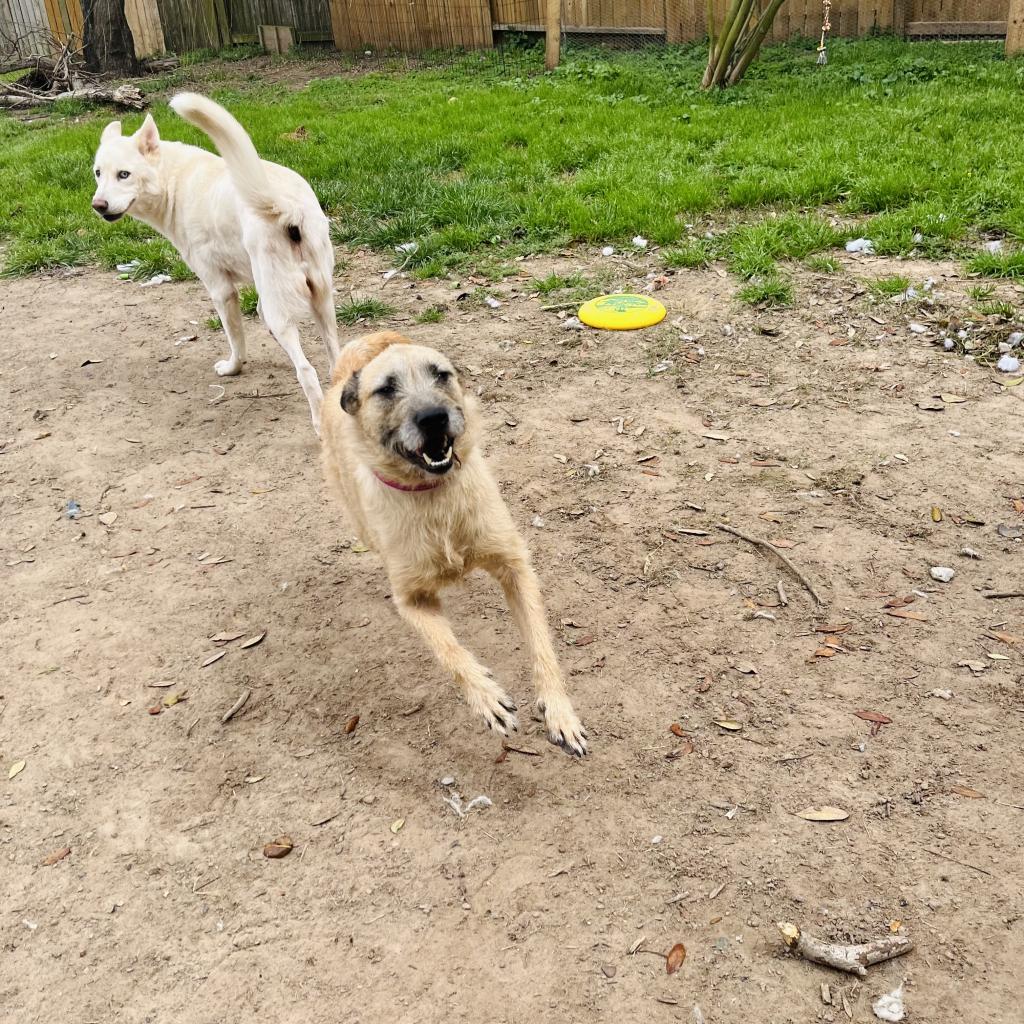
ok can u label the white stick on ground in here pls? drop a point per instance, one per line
(852, 959)
(766, 545)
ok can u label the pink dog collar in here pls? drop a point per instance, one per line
(407, 487)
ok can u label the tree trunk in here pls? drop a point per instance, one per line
(108, 43)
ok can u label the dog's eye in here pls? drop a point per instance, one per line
(386, 390)
(97, 172)
(123, 174)
(442, 376)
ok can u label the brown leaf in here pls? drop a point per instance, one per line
(59, 855)
(874, 716)
(838, 627)
(350, 725)
(675, 958)
(502, 757)
(765, 463)
(584, 640)
(676, 729)
(252, 641)
(226, 638)
(971, 794)
(825, 652)
(705, 684)
(279, 848)
(156, 709)
(900, 602)
(904, 613)
(212, 658)
(729, 725)
(772, 517)
(1006, 638)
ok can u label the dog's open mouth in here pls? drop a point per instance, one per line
(111, 217)
(438, 456)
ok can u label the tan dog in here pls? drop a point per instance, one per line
(399, 446)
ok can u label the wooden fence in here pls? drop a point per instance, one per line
(417, 25)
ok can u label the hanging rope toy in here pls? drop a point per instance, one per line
(826, 27)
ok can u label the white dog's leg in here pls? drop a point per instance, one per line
(287, 336)
(225, 301)
(522, 591)
(327, 324)
(482, 693)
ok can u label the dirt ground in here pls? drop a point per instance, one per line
(204, 514)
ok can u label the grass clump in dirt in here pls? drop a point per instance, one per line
(360, 310)
(890, 286)
(432, 315)
(769, 291)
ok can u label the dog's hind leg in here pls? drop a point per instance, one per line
(522, 591)
(287, 336)
(322, 302)
(225, 301)
(482, 693)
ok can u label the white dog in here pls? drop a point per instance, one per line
(236, 221)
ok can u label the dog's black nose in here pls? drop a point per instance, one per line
(100, 205)
(432, 420)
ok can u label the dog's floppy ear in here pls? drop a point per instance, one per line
(350, 395)
(112, 131)
(147, 138)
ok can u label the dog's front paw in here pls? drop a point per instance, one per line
(497, 709)
(565, 729)
(228, 367)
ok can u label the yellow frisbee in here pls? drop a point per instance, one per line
(621, 312)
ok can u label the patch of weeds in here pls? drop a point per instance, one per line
(980, 292)
(432, 314)
(767, 290)
(691, 253)
(556, 283)
(997, 264)
(888, 287)
(213, 322)
(822, 264)
(999, 308)
(752, 249)
(248, 299)
(358, 309)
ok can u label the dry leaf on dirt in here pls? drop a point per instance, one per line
(905, 613)
(971, 794)
(823, 814)
(279, 848)
(397, 826)
(839, 627)
(950, 399)
(212, 658)
(173, 698)
(226, 638)
(900, 602)
(729, 725)
(350, 725)
(676, 729)
(825, 652)
(58, 855)
(936, 514)
(16, 769)
(1006, 638)
(874, 716)
(252, 641)
(675, 958)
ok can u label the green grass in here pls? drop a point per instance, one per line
(769, 290)
(916, 144)
(822, 264)
(555, 283)
(1000, 308)
(432, 315)
(979, 292)
(887, 287)
(357, 310)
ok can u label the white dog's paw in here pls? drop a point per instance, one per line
(497, 709)
(565, 729)
(228, 367)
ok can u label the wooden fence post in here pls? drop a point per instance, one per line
(552, 33)
(1015, 29)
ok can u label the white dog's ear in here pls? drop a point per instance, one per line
(112, 131)
(147, 138)
(350, 395)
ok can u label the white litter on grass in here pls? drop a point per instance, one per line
(948, 344)
(1015, 339)
(665, 364)
(1008, 364)
(608, 251)
(942, 573)
(155, 280)
(455, 803)
(127, 268)
(640, 242)
(864, 245)
(572, 323)
(388, 274)
(185, 339)
(890, 1006)
(492, 302)
(996, 245)
(407, 247)
(916, 328)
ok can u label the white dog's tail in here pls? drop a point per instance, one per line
(234, 145)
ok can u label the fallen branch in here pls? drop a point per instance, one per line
(767, 546)
(236, 707)
(15, 97)
(998, 595)
(953, 860)
(854, 959)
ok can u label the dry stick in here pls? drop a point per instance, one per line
(953, 860)
(997, 595)
(766, 545)
(854, 959)
(783, 600)
(236, 707)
